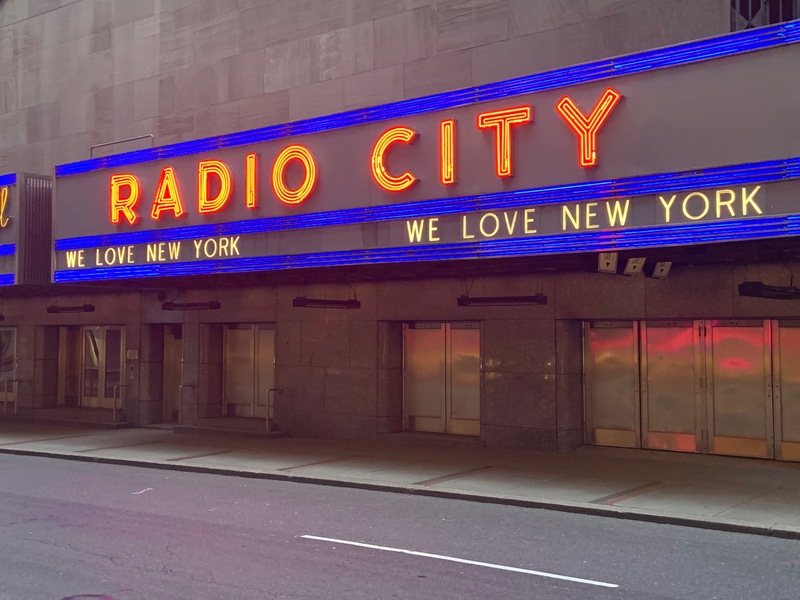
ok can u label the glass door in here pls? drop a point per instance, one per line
(442, 377)
(101, 373)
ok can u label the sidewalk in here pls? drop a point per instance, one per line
(734, 494)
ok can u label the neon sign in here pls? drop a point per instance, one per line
(501, 121)
(4, 220)
(587, 127)
(215, 179)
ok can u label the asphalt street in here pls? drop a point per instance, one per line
(74, 530)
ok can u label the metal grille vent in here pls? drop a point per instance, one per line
(749, 14)
(35, 231)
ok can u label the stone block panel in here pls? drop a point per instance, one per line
(519, 346)
(263, 110)
(363, 344)
(287, 350)
(464, 24)
(150, 412)
(303, 396)
(569, 346)
(679, 294)
(611, 297)
(569, 439)
(351, 391)
(317, 99)
(519, 399)
(390, 344)
(390, 392)
(440, 73)
(391, 424)
(569, 401)
(373, 87)
(325, 344)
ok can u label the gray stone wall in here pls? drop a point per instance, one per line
(74, 73)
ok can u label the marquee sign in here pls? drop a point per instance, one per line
(8, 235)
(215, 181)
(25, 233)
(660, 156)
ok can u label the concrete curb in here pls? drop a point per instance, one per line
(569, 507)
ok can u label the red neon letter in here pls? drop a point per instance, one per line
(288, 154)
(379, 172)
(447, 148)
(168, 196)
(251, 192)
(206, 168)
(587, 127)
(120, 205)
(501, 121)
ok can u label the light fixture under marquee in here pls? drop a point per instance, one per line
(657, 269)
(633, 266)
(304, 302)
(758, 289)
(467, 300)
(607, 262)
(56, 309)
(207, 305)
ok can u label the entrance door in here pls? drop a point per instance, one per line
(101, 372)
(672, 367)
(249, 369)
(786, 357)
(706, 386)
(173, 358)
(739, 390)
(442, 377)
(612, 383)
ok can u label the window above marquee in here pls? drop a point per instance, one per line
(749, 14)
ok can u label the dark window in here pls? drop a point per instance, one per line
(747, 14)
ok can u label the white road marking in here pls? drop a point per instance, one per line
(142, 492)
(464, 561)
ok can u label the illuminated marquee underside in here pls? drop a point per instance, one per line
(544, 245)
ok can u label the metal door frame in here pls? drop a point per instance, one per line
(783, 450)
(448, 424)
(102, 401)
